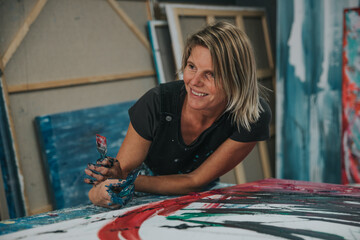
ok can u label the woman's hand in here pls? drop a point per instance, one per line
(113, 193)
(99, 195)
(102, 170)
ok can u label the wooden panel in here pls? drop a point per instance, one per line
(67, 142)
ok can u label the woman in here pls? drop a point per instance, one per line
(191, 132)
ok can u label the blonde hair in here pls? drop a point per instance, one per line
(234, 69)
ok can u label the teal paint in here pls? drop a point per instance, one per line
(8, 162)
(309, 45)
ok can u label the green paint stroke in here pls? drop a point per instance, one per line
(187, 216)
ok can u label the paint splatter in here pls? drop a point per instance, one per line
(267, 199)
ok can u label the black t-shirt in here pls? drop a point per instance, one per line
(156, 117)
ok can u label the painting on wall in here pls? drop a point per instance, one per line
(308, 89)
(351, 97)
(266, 209)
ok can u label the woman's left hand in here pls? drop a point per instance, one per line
(102, 170)
(113, 193)
(99, 195)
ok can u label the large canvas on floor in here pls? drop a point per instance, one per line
(351, 97)
(266, 209)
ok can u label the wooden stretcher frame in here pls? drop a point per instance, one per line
(159, 63)
(75, 81)
(12, 89)
(175, 11)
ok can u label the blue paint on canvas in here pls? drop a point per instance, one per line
(68, 143)
(309, 45)
(13, 192)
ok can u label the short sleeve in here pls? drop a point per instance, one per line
(260, 130)
(145, 114)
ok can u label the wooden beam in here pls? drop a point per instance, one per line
(77, 81)
(265, 73)
(239, 22)
(24, 29)
(210, 19)
(218, 12)
(130, 24)
(46, 208)
(149, 10)
(265, 161)
(239, 172)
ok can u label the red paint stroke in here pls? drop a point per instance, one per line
(128, 224)
(350, 103)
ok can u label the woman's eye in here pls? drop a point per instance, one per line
(210, 75)
(191, 66)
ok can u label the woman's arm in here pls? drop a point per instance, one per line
(225, 158)
(131, 154)
(134, 150)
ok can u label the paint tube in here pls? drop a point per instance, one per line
(101, 146)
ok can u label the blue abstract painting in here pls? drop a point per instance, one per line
(68, 143)
(309, 73)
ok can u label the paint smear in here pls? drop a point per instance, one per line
(268, 201)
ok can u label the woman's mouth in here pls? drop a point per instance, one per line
(199, 94)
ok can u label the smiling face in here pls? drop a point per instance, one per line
(202, 93)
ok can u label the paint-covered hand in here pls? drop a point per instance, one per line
(113, 193)
(122, 192)
(102, 170)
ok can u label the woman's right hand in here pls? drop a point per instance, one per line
(105, 169)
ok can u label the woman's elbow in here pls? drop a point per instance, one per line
(195, 183)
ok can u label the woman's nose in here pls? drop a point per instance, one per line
(196, 80)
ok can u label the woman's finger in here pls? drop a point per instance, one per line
(98, 177)
(108, 162)
(102, 170)
(91, 181)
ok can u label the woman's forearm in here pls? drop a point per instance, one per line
(167, 185)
